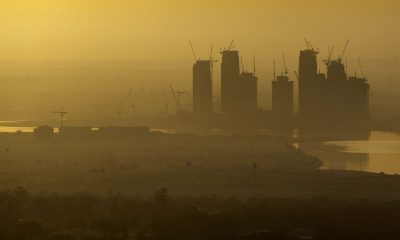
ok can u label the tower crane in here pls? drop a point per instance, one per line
(327, 61)
(230, 47)
(153, 96)
(135, 102)
(62, 114)
(177, 97)
(310, 46)
(165, 102)
(344, 50)
(211, 59)
(121, 105)
(284, 64)
(362, 69)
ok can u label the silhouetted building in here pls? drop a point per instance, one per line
(229, 81)
(123, 132)
(247, 94)
(75, 132)
(357, 100)
(202, 88)
(282, 96)
(332, 98)
(336, 90)
(238, 90)
(347, 99)
(308, 90)
(43, 133)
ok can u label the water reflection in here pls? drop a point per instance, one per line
(11, 129)
(377, 152)
(336, 156)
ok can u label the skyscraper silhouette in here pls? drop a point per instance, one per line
(229, 81)
(202, 88)
(247, 93)
(282, 96)
(332, 99)
(307, 82)
(336, 90)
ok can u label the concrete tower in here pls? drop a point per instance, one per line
(202, 88)
(282, 96)
(230, 72)
(307, 83)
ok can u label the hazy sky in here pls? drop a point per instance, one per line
(157, 32)
(159, 29)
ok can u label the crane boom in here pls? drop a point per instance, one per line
(174, 95)
(165, 102)
(284, 64)
(193, 51)
(330, 52)
(344, 49)
(308, 44)
(362, 69)
(231, 44)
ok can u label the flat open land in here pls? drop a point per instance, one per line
(185, 164)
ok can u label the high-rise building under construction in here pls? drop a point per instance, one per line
(202, 88)
(308, 90)
(247, 93)
(335, 90)
(238, 90)
(282, 96)
(357, 100)
(334, 97)
(230, 73)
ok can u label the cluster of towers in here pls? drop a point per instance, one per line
(238, 88)
(330, 97)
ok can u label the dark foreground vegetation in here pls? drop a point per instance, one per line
(83, 216)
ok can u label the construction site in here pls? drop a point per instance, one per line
(334, 98)
(223, 96)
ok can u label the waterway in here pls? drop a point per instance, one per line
(379, 153)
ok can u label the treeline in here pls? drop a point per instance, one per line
(88, 217)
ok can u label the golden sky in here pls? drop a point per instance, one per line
(160, 29)
(51, 31)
